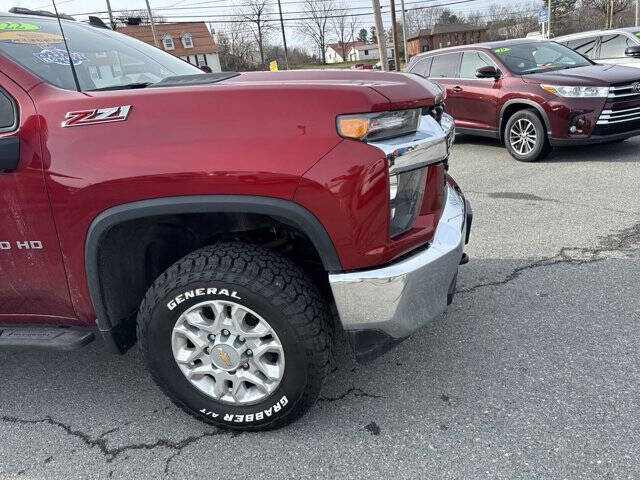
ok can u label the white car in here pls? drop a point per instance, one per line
(620, 46)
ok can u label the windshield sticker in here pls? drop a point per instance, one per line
(29, 38)
(637, 34)
(501, 50)
(59, 57)
(18, 26)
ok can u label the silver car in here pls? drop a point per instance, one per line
(620, 46)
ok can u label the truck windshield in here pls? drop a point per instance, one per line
(536, 57)
(103, 59)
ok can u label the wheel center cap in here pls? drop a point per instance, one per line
(225, 357)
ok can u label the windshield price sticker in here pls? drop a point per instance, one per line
(21, 26)
(501, 50)
(29, 38)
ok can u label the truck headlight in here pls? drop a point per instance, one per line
(405, 198)
(378, 126)
(574, 92)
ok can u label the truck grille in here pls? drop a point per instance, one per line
(622, 110)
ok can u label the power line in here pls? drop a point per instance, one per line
(191, 7)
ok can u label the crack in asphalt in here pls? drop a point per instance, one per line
(357, 392)
(111, 453)
(624, 241)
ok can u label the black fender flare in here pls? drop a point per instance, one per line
(528, 103)
(285, 211)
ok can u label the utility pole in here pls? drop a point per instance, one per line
(549, 22)
(382, 44)
(637, 12)
(284, 37)
(394, 34)
(153, 25)
(113, 24)
(611, 14)
(404, 33)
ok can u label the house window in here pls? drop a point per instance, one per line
(167, 41)
(366, 52)
(187, 41)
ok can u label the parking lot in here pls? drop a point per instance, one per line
(534, 371)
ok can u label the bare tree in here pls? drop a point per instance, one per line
(345, 28)
(236, 48)
(256, 13)
(317, 26)
(421, 18)
(610, 8)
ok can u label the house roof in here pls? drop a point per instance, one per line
(337, 47)
(200, 36)
(366, 46)
(447, 28)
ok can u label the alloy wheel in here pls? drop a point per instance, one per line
(228, 352)
(523, 137)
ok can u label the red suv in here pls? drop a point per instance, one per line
(534, 95)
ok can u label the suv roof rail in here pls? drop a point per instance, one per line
(39, 13)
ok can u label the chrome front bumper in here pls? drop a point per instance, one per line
(382, 306)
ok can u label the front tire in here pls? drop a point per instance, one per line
(237, 336)
(525, 137)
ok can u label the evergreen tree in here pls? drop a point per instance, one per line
(363, 35)
(373, 38)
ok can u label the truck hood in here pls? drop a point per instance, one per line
(402, 90)
(589, 76)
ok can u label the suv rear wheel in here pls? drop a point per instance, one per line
(525, 137)
(237, 336)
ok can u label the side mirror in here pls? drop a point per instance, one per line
(488, 72)
(633, 51)
(206, 69)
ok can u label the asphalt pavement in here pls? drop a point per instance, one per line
(534, 371)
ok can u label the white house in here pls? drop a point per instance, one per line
(366, 52)
(339, 52)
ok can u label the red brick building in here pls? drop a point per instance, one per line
(190, 41)
(440, 36)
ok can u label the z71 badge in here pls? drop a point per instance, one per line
(100, 115)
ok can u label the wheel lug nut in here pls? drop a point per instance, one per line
(207, 350)
(225, 332)
(249, 352)
(245, 366)
(241, 339)
(211, 337)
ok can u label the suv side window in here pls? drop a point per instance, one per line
(8, 114)
(613, 46)
(586, 46)
(471, 61)
(445, 66)
(422, 67)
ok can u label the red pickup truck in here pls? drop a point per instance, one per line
(217, 218)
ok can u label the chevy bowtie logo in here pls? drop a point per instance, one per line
(224, 357)
(636, 87)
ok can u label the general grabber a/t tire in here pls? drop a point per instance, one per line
(237, 336)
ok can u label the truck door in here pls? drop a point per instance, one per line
(33, 284)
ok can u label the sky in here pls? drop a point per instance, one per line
(217, 11)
